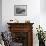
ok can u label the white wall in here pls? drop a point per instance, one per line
(0, 15)
(43, 6)
(43, 14)
(33, 14)
(33, 10)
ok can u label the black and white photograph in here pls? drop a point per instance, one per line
(20, 10)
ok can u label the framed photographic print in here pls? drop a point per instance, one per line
(20, 10)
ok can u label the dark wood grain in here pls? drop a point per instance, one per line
(23, 27)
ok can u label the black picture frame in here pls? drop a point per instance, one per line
(20, 10)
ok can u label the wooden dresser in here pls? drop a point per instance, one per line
(22, 33)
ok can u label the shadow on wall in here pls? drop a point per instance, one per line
(0, 15)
